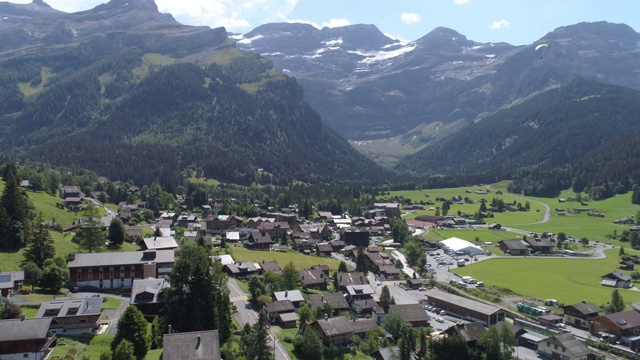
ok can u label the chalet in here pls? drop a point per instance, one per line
(324, 249)
(304, 245)
(364, 307)
(617, 325)
(185, 220)
(359, 292)
(220, 223)
(25, 339)
(541, 245)
(626, 265)
(616, 279)
(336, 300)
(418, 283)
(147, 295)
(414, 314)
(354, 236)
(315, 279)
(197, 345)
(159, 243)
(581, 314)
(259, 240)
(470, 332)
(10, 282)
(77, 317)
(69, 191)
(389, 272)
(117, 269)
(333, 331)
(243, 270)
(350, 278)
(390, 209)
(564, 346)
(337, 245)
(25, 184)
(325, 215)
(281, 312)
(295, 296)
(254, 222)
(466, 308)
(275, 229)
(494, 226)
(317, 231)
(133, 235)
(270, 266)
(280, 217)
(218, 205)
(514, 247)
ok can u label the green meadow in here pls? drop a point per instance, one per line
(568, 280)
(578, 225)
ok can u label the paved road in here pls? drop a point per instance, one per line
(547, 208)
(246, 314)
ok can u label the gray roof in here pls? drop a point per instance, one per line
(293, 295)
(336, 300)
(65, 307)
(618, 276)
(17, 329)
(575, 347)
(462, 301)
(122, 258)
(149, 285)
(357, 290)
(313, 277)
(516, 244)
(191, 345)
(360, 326)
(351, 278)
(410, 312)
(335, 326)
(8, 279)
(389, 353)
(279, 306)
(587, 308)
(625, 320)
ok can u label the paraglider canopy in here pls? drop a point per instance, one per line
(539, 46)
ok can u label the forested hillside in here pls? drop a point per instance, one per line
(574, 135)
(131, 120)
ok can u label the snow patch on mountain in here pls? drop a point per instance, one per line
(247, 41)
(332, 42)
(370, 57)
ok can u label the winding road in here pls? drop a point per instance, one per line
(547, 208)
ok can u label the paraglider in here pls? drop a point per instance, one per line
(541, 46)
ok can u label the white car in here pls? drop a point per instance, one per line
(439, 319)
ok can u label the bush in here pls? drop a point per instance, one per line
(298, 340)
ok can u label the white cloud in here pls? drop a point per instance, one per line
(336, 23)
(460, 2)
(410, 18)
(499, 24)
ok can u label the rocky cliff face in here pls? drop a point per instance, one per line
(367, 86)
(35, 27)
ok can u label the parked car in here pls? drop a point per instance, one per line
(439, 319)
(443, 312)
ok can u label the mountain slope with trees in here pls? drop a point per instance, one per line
(140, 105)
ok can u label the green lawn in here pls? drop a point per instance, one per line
(566, 280)
(300, 261)
(110, 303)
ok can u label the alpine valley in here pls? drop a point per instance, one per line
(130, 93)
(429, 98)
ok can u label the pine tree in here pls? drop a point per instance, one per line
(124, 351)
(361, 262)
(41, 246)
(290, 277)
(616, 304)
(132, 327)
(261, 340)
(91, 233)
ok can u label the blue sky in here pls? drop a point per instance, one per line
(514, 21)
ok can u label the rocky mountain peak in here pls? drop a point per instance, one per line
(40, 3)
(138, 4)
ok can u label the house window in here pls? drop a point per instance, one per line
(79, 274)
(133, 272)
(555, 347)
(111, 273)
(100, 272)
(121, 271)
(90, 274)
(25, 355)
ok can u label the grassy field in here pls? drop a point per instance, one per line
(578, 225)
(566, 280)
(300, 261)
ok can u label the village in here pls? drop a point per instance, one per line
(349, 301)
